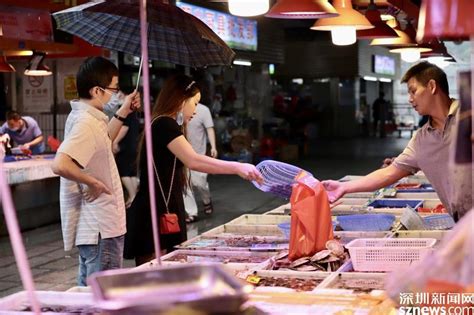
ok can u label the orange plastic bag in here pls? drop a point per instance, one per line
(311, 224)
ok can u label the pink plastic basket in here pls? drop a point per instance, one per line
(385, 254)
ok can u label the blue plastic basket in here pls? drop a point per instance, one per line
(366, 222)
(395, 203)
(439, 222)
(285, 228)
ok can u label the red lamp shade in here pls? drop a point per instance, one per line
(405, 38)
(302, 9)
(447, 19)
(347, 17)
(381, 29)
(5, 66)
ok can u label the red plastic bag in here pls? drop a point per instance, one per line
(311, 224)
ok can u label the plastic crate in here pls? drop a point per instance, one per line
(395, 203)
(387, 254)
(439, 222)
(366, 222)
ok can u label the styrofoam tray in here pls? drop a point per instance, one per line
(259, 219)
(218, 242)
(257, 230)
(334, 279)
(15, 303)
(281, 210)
(436, 234)
(348, 236)
(199, 256)
(320, 275)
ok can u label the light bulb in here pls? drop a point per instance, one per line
(248, 7)
(343, 35)
(439, 61)
(410, 55)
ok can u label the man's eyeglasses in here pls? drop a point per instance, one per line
(114, 90)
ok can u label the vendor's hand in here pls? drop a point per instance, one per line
(25, 146)
(334, 189)
(131, 103)
(94, 190)
(249, 172)
(213, 153)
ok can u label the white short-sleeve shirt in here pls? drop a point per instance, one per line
(196, 130)
(87, 142)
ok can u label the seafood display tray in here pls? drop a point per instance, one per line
(256, 230)
(224, 242)
(234, 259)
(358, 282)
(259, 219)
(276, 280)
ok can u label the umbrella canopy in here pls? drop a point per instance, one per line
(174, 36)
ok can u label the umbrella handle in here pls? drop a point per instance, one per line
(139, 72)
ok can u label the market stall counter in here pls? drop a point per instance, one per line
(35, 190)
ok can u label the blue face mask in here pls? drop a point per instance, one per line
(116, 100)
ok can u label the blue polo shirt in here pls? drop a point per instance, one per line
(30, 131)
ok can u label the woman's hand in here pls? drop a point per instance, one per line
(249, 172)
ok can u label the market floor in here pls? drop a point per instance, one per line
(53, 269)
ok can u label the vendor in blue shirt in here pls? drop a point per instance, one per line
(24, 131)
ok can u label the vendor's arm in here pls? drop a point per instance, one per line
(130, 104)
(371, 182)
(403, 165)
(65, 166)
(211, 135)
(202, 163)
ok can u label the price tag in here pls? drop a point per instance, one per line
(253, 279)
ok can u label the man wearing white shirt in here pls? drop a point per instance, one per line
(91, 197)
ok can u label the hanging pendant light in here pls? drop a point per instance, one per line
(302, 9)
(343, 28)
(404, 37)
(410, 53)
(248, 7)
(381, 29)
(36, 67)
(5, 66)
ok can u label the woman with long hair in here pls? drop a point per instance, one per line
(172, 154)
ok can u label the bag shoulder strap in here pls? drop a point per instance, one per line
(166, 200)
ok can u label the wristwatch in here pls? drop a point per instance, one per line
(122, 119)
